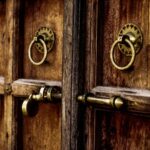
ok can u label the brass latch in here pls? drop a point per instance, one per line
(53, 94)
(46, 94)
(115, 102)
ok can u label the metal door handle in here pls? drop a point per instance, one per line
(115, 102)
(46, 94)
(44, 42)
(129, 42)
(53, 94)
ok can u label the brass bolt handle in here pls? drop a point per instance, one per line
(46, 94)
(132, 54)
(115, 102)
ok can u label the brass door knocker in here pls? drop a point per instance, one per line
(129, 42)
(44, 42)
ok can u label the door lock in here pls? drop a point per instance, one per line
(44, 42)
(53, 94)
(129, 42)
(46, 94)
(115, 102)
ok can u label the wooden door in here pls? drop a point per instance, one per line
(19, 21)
(90, 28)
(109, 129)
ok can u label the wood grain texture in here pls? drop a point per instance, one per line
(44, 130)
(36, 14)
(2, 70)
(135, 100)
(11, 72)
(72, 113)
(43, 14)
(112, 16)
(93, 42)
(2, 36)
(24, 87)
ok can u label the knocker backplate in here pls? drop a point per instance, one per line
(47, 35)
(135, 37)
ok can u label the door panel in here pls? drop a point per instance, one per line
(23, 19)
(116, 15)
(43, 14)
(108, 129)
(44, 130)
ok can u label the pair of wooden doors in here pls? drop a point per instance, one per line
(84, 32)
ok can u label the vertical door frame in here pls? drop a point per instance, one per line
(11, 73)
(73, 75)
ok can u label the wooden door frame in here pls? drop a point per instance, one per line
(73, 114)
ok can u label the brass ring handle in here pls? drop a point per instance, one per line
(132, 54)
(44, 51)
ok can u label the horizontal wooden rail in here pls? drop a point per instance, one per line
(137, 100)
(25, 87)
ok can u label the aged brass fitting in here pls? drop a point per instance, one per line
(46, 94)
(129, 42)
(114, 102)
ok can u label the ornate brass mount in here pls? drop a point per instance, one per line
(130, 41)
(44, 42)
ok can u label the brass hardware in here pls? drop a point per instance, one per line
(44, 42)
(46, 94)
(114, 102)
(129, 42)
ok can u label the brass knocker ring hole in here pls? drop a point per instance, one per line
(113, 56)
(35, 40)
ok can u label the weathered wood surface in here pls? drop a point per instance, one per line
(24, 87)
(137, 100)
(93, 42)
(11, 48)
(72, 115)
(36, 14)
(2, 69)
(116, 130)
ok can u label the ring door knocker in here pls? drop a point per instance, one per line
(129, 42)
(44, 42)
